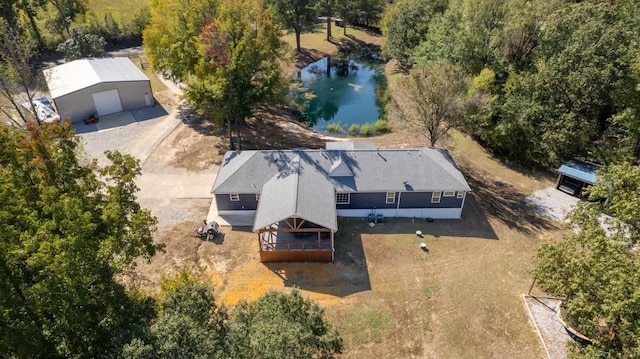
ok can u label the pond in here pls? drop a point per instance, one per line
(341, 90)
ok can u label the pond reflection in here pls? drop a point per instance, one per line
(340, 90)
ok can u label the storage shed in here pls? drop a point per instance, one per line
(575, 175)
(104, 86)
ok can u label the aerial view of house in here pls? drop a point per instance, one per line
(299, 193)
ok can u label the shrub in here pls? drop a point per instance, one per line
(382, 126)
(335, 128)
(354, 130)
(367, 130)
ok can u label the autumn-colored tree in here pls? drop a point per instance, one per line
(238, 66)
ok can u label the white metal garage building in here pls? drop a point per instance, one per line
(83, 87)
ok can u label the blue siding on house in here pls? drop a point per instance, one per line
(367, 200)
(407, 200)
(423, 200)
(246, 202)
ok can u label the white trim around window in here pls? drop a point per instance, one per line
(435, 197)
(448, 193)
(258, 197)
(343, 198)
(234, 197)
(460, 195)
(391, 198)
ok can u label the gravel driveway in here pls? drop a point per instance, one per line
(552, 203)
(550, 329)
(173, 195)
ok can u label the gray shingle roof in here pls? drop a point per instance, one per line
(419, 170)
(298, 190)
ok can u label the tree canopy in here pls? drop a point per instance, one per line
(67, 230)
(81, 44)
(191, 325)
(565, 78)
(597, 269)
(227, 55)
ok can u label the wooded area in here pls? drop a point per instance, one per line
(562, 76)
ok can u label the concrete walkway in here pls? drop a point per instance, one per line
(187, 185)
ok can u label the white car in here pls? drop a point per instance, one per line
(44, 110)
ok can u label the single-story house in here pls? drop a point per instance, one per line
(296, 195)
(104, 86)
(574, 176)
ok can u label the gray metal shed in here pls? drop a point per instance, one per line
(104, 86)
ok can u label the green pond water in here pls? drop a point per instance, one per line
(341, 90)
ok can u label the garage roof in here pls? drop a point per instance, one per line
(79, 74)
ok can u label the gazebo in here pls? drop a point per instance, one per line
(296, 216)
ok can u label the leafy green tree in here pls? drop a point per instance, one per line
(436, 99)
(404, 25)
(238, 67)
(172, 40)
(575, 90)
(61, 13)
(326, 8)
(598, 271)
(295, 14)
(368, 12)
(68, 229)
(348, 10)
(188, 324)
(282, 326)
(81, 44)
(618, 189)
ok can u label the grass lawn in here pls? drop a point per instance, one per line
(315, 46)
(316, 39)
(121, 8)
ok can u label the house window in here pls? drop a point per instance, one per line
(449, 193)
(391, 197)
(342, 198)
(435, 197)
(234, 197)
(257, 197)
(460, 194)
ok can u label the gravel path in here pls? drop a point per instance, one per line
(552, 203)
(549, 327)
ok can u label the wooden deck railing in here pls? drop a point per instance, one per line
(323, 245)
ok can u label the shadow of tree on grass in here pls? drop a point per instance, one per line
(506, 203)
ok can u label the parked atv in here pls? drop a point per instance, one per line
(208, 231)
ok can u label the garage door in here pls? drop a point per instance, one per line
(107, 102)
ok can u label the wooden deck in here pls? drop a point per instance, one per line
(285, 242)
